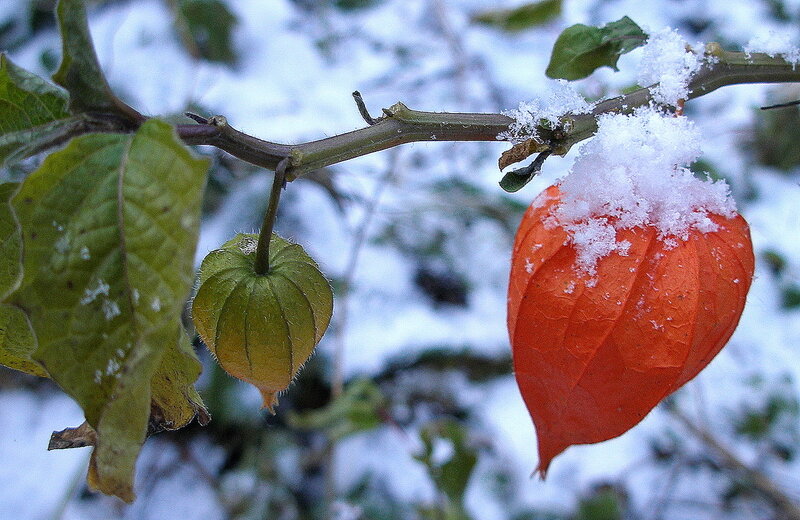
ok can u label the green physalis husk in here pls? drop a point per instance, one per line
(262, 328)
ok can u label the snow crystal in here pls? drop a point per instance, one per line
(156, 304)
(85, 253)
(667, 62)
(90, 295)
(559, 100)
(633, 173)
(112, 367)
(248, 245)
(528, 266)
(135, 296)
(110, 309)
(62, 244)
(775, 44)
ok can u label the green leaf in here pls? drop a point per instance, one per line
(10, 242)
(80, 71)
(262, 328)
(109, 227)
(581, 49)
(207, 27)
(520, 18)
(452, 475)
(33, 113)
(356, 410)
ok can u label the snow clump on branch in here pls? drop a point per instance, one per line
(559, 100)
(668, 64)
(775, 44)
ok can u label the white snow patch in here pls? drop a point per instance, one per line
(110, 309)
(633, 173)
(774, 44)
(62, 244)
(559, 100)
(668, 62)
(248, 245)
(90, 295)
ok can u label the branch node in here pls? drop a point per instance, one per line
(362, 109)
(218, 121)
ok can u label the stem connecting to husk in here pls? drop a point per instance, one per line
(262, 250)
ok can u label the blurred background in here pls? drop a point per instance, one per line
(428, 422)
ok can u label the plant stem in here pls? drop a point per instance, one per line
(262, 250)
(403, 125)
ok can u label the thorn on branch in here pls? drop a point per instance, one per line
(782, 105)
(362, 109)
(197, 118)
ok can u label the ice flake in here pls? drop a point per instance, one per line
(528, 266)
(667, 63)
(156, 304)
(89, 295)
(62, 244)
(775, 44)
(112, 367)
(248, 245)
(633, 173)
(110, 309)
(85, 253)
(135, 296)
(561, 99)
(187, 221)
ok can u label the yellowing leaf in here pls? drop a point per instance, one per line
(262, 328)
(175, 400)
(17, 341)
(109, 227)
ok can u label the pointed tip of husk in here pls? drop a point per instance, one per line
(270, 401)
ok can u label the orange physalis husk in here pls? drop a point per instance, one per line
(593, 354)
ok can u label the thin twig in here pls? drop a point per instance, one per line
(362, 109)
(758, 480)
(535, 167)
(403, 125)
(782, 105)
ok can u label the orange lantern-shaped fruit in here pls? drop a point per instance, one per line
(595, 352)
